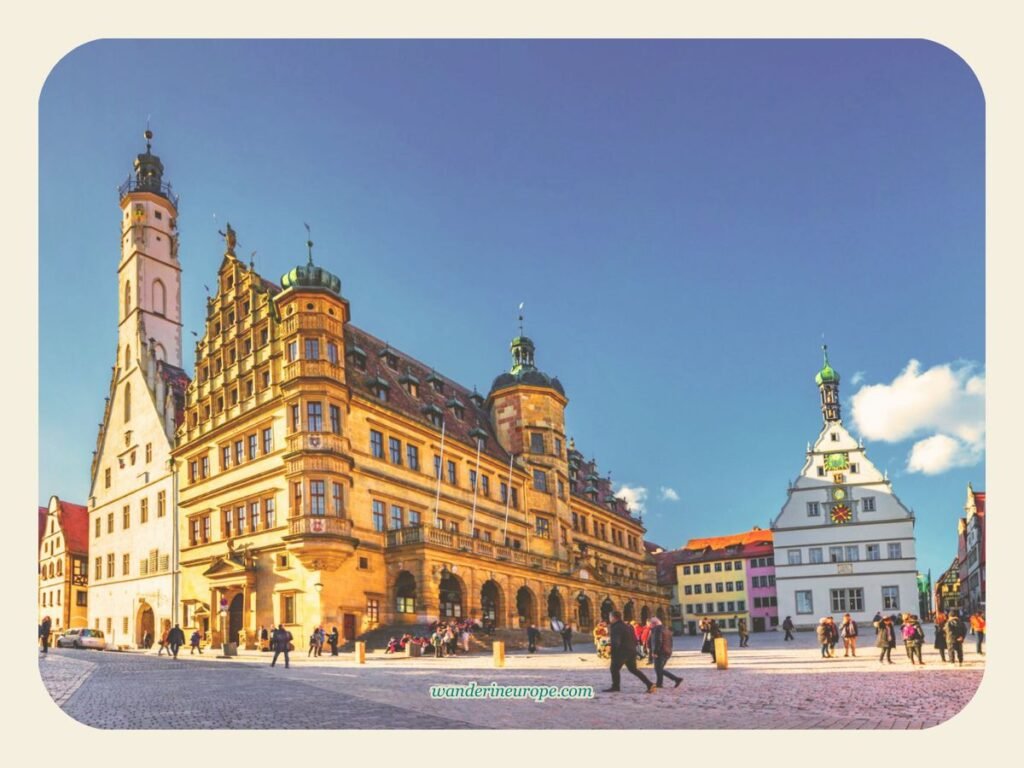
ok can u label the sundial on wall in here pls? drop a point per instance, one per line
(836, 462)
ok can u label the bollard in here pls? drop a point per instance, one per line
(721, 653)
(360, 651)
(499, 653)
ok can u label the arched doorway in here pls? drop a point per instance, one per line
(660, 613)
(405, 595)
(627, 611)
(450, 596)
(145, 623)
(526, 607)
(555, 604)
(606, 608)
(645, 614)
(491, 603)
(584, 613)
(235, 618)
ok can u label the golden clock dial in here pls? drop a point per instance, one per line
(838, 494)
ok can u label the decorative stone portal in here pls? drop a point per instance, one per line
(526, 607)
(606, 608)
(145, 623)
(491, 603)
(555, 604)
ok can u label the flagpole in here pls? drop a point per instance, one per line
(476, 485)
(440, 469)
(508, 500)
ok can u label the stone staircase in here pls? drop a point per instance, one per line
(515, 639)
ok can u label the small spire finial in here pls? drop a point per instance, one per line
(148, 135)
(309, 243)
(824, 350)
(521, 305)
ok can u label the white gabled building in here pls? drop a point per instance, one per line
(131, 505)
(844, 542)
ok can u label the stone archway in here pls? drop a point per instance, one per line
(235, 614)
(606, 608)
(526, 607)
(145, 623)
(555, 605)
(405, 596)
(645, 614)
(584, 613)
(627, 611)
(492, 603)
(450, 595)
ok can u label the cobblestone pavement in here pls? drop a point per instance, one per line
(768, 685)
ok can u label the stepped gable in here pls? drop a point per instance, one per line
(458, 429)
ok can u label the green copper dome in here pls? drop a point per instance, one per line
(309, 275)
(827, 374)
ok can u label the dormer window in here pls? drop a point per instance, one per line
(410, 383)
(457, 408)
(480, 436)
(434, 414)
(477, 399)
(379, 387)
(436, 382)
(358, 357)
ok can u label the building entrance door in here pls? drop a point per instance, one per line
(348, 627)
(234, 618)
(758, 623)
(145, 626)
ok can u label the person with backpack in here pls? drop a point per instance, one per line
(787, 626)
(194, 644)
(913, 638)
(848, 631)
(281, 642)
(659, 646)
(956, 631)
(623, 648)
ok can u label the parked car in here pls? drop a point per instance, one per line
(82, 638)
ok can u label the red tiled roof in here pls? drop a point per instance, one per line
(43, 514)
(74, 521)
(666, 562)
(756, 536)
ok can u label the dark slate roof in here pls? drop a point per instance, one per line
(587, 476)
(531, 377)
(457, 429)
(665, 564)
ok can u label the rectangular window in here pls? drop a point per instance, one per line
(81, 597)
(718, 567)
(452, 477)
(536, 442)
(730, 606)
(728, 566)
(204, 466)
(543, 528)
(97, 526)
(707, 568)
(332, 353)
(804, 603)
(890, 598)
(515, 498)
(540, 480)
(412, 457)
(110, 565)
(335, 413)
(835, 554)
(815, 554)
(337, 499)
(852, 553)
(314, 416)
(312, 349)
(225, 457)
(721, 607)
(126, 516)
(252, 446)
(868, 504)
(395, 449)
(296, 424)
(372, 610)
(376, 444)
(688, 590)
(288, 609)
(126, 562)
(813, 509)
(99, 569)
(317, 501)
(106, 478)
(561, 489)
(504, 493)
(110, 522)
(895, 550)
(396, 516)
(698, 589)
(741, 605)
(206, 528)
(874, 551)
(193, 537)
(414, 517)
(843, 600)
(254, 516)
(144, 511)
(268, 511)
(719, 587)
(268, 440)
(378, 515)
(472, 479)
(405, 604)
(228, 516)
(558, 446)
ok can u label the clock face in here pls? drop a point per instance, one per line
(838, 494)
(841, 514)
(836, 461)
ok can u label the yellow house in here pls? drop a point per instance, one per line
(326, 478)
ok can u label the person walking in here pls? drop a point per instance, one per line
(659, 646)
(741, 629)
(787, 625)
(567, 637)
(264, 638)
(623, 651)
(532, 636)
(437, 640)
(194, 644)
(281, 642)
(885, 639)
(913, 638)
(848, 631)
(44, 633)
(940, 633)
(978, 629)
(833, 636)
(822, 632)
(956, 631)
(332, 640)
(312, 644)
(163, 642)
(175, 639)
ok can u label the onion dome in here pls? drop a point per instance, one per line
(827, 374)
(524, 371)
(311, 276)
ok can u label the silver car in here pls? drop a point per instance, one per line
(82, 638)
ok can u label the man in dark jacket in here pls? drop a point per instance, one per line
(659, 643)
(567, 637)
(332, 640)
(787, 625)
(956, 631)
(44, 633)
(279, 641)
(532, 636)
(175, 639)
(623, 651)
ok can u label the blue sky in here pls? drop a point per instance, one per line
(684, 220)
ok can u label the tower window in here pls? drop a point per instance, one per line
(158, 214)
(835, 437)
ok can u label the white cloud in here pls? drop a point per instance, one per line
(634, 496)
(668, 494)
(857, 378)
(944, 406)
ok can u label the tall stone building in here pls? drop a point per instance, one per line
(131, 516)
(63, 557)
(971, 537)
(329, 478)
(844, 542)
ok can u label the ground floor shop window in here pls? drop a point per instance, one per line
(804, 603)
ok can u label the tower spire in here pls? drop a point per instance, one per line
(828, 384)
(309, 243)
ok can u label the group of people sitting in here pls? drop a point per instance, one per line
(446, 637)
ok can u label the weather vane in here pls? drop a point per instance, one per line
(521, 305)
(309, 243)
